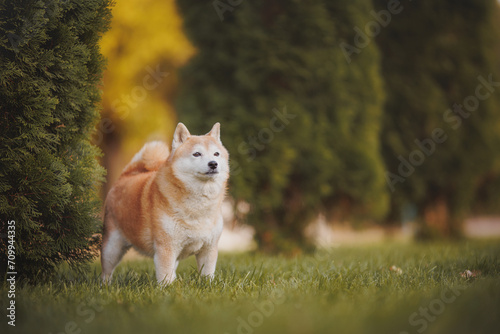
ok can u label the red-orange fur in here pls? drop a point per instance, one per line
(145, 192)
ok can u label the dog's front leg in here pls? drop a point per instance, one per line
(165, 264)
(207, 260)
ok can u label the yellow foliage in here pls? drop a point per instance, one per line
(145, 43)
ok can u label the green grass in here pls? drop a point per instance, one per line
(343, 290)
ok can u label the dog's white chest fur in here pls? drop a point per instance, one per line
(191, 236)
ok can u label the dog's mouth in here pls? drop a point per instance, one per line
(210, 173)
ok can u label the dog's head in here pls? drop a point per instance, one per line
(199, 158)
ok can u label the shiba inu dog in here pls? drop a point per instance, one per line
(168, 204)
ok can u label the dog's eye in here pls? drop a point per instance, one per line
(197, 154)
(216, 154)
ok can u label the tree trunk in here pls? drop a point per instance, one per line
(438, 222)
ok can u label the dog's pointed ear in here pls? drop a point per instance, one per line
(215, 132)
(180, 135)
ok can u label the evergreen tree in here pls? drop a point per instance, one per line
(300, 119)
(440, 137)
(50, 69)
(487, 194)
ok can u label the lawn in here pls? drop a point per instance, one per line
(385, 288)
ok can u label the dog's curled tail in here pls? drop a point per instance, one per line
(150, 158)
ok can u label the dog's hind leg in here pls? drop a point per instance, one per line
(113, 248)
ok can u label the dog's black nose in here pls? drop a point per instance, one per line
(212, 164)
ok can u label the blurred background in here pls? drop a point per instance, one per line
(346, 120)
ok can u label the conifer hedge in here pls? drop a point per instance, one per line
(300, 119)
(440, 138)
(50, 71)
